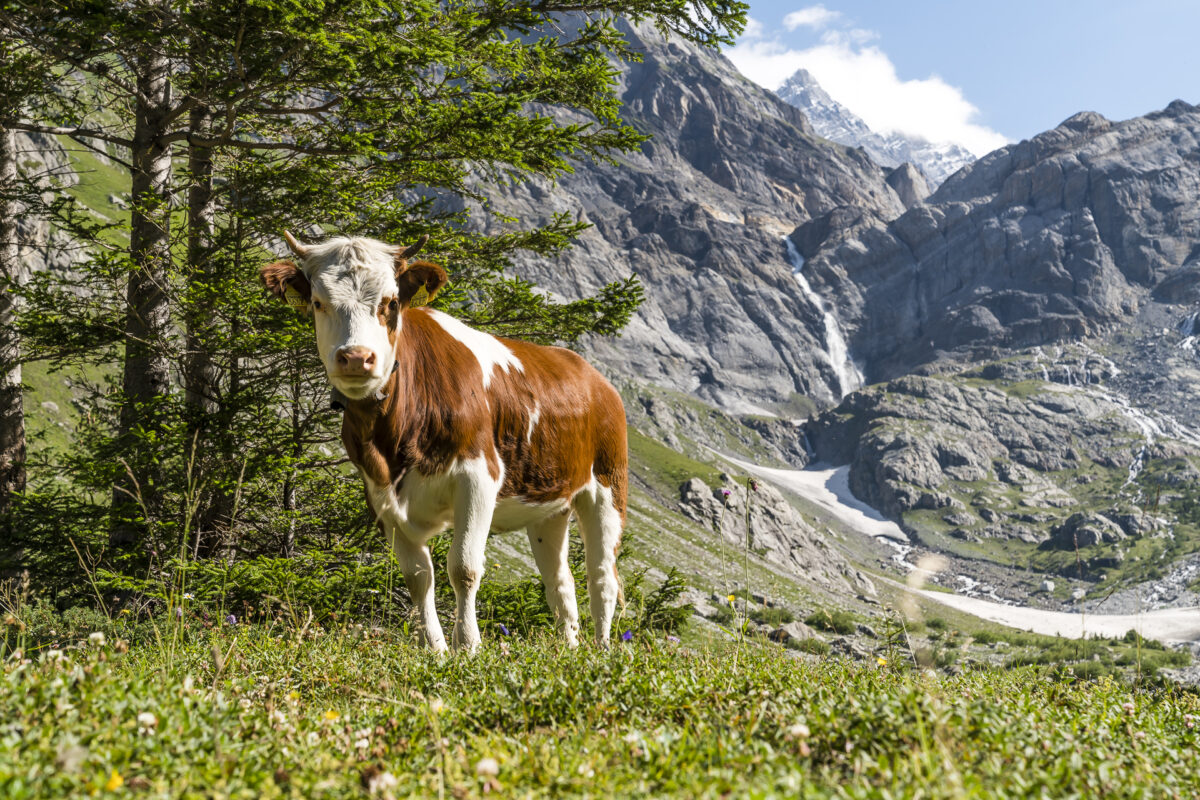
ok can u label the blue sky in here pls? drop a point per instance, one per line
(978, 72)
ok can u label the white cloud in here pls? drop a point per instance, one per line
(754, 29)
(815, 17)
(862, 77)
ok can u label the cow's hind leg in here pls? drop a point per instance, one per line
(600, 526)
(417, 567)
(548, 540)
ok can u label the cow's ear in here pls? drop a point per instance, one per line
(285, 280)
(420, 283)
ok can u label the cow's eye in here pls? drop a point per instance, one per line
(317, 305)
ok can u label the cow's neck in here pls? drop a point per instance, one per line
(386, 413)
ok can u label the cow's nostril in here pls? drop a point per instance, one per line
(355, 359)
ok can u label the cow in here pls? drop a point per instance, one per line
(451, 426)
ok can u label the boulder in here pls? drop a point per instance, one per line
(792, 631)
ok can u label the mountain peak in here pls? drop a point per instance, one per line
(832, 120)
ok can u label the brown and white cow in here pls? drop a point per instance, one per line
(450, 426)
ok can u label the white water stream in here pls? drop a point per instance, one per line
(829, 489)
(848, 375)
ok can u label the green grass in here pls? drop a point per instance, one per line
(263, 712)
(97, 182)
(664, 468)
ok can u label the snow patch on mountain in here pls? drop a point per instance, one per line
(832, 120)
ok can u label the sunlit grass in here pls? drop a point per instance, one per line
(265, 711)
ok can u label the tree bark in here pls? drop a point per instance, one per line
(12, 276)
(146, 380)
(202, 377)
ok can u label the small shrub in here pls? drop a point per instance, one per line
(937, 624)
(772, 616)
(840, 622)
(817, 647)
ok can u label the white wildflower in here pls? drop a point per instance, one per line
(487, 767)
(97, 638)
(383, 782)
(798, 731)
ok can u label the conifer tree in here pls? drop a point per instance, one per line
(351, 117)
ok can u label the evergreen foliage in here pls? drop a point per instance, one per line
(206, 431)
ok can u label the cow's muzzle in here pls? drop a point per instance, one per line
(355, 362)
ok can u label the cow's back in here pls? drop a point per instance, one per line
(557, 424)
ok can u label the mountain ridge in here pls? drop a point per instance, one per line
(937, 161)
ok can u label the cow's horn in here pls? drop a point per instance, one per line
(300, 250)
(413, 249)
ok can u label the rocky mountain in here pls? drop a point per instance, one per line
(1064, 236)
(1029, 463)
(829, 118)
(43, 159)
(700, 215)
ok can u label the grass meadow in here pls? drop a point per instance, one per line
(200, 708)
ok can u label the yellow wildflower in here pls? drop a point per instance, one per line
(115, 781)
(732, 599)
(331, 715)
(881, 661)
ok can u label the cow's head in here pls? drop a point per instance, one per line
(357, 290)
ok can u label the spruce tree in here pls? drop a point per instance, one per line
(353, 117)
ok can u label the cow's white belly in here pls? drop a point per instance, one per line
(514, 513)
(423, 506)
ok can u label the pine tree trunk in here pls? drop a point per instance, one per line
(12, 275)
(201, 374)
(146, 380)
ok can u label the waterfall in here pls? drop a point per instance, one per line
(848, 375)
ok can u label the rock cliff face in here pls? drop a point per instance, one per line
(1055, 238)
(778, 533)
(1003, 452)
(42, 158)
(831, 119)
(700, 215)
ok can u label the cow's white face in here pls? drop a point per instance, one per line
(356, 290)
(355, 312)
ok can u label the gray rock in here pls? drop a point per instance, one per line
(1058, 237)
(1085, 530)
(699, 214)
(849, 648)
(909, 185)
(793, 631)
(777, 533)
(912, 442)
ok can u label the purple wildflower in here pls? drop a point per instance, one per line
(178, 612)
(230, 619)
(627, 636)
(672, 639)
(503, 628)
(724, 493)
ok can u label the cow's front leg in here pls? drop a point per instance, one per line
(474, 504)
(417, 567)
